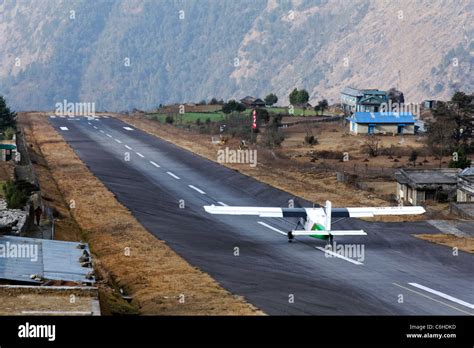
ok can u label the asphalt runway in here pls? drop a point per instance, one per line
(398, 274)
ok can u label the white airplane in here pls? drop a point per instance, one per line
(316, 221)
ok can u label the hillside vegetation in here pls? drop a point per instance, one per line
(127, 54)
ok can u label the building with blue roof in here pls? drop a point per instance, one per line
(382, 123)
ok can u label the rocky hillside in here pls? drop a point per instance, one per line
(126, 54)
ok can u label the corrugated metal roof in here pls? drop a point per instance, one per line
(467, 172)
(352, 91)
(427, 176)
(382, 117)
(48, 259)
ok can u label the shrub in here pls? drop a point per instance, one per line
(8, 133)
(15, 195)
(273, 137)
(310, 140)
(169, 119)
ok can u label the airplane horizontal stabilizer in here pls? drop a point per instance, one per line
(327, 233)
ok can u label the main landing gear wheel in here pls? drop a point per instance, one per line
(290, 237)
(331, 238)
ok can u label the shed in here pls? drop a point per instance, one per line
(415, 186)
(31, 260)
(465, 189)
(6, 151)
(382, 123)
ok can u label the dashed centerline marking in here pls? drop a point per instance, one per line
(272, 228)
(443, 295)
(156, 165)
(431, 298)
(64, 128)
(197, 189)
(128, 128)
(139, 154)
(52, 116)
(90, 124)
(173, 175)
(128, 147)
(332, 253)
(95, 127)
(118, 141)
(109, 135)
(101, 131)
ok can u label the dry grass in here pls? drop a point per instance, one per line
(154, 275)
(462, 243)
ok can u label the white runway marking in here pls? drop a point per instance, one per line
(197, 189)
(332, 253)
(431, 298)
(118, 141)
(174, 176)
(105, 116)
(102, 131)
(62, 116)
(128, 147)
(139, 154)
(223, 204)
(128, 128)
(156, 165)
(95, 127)
(90, 124)
(63, 128)
(443, 295)
(52, 116)
(272, 228)
(109, 135)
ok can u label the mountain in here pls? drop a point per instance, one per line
(126, 54)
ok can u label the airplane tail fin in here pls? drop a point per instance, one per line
(328, 209)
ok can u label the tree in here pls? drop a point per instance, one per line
(439, 137)
(303, 97)
(413, 157)
(232, 105)
(7, 117)
(214, 101)
(322, 105)
(459, 159)
(395, 96)
(372, 146)
(456, 118)
(271, 99)
(293, 97)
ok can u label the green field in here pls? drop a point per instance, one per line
(190, 117)
(297, 111)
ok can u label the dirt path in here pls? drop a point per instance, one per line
(158, 280)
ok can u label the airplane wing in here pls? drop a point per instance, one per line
(258, 211)
(376, 211)
(302, 212)
(327, 233)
